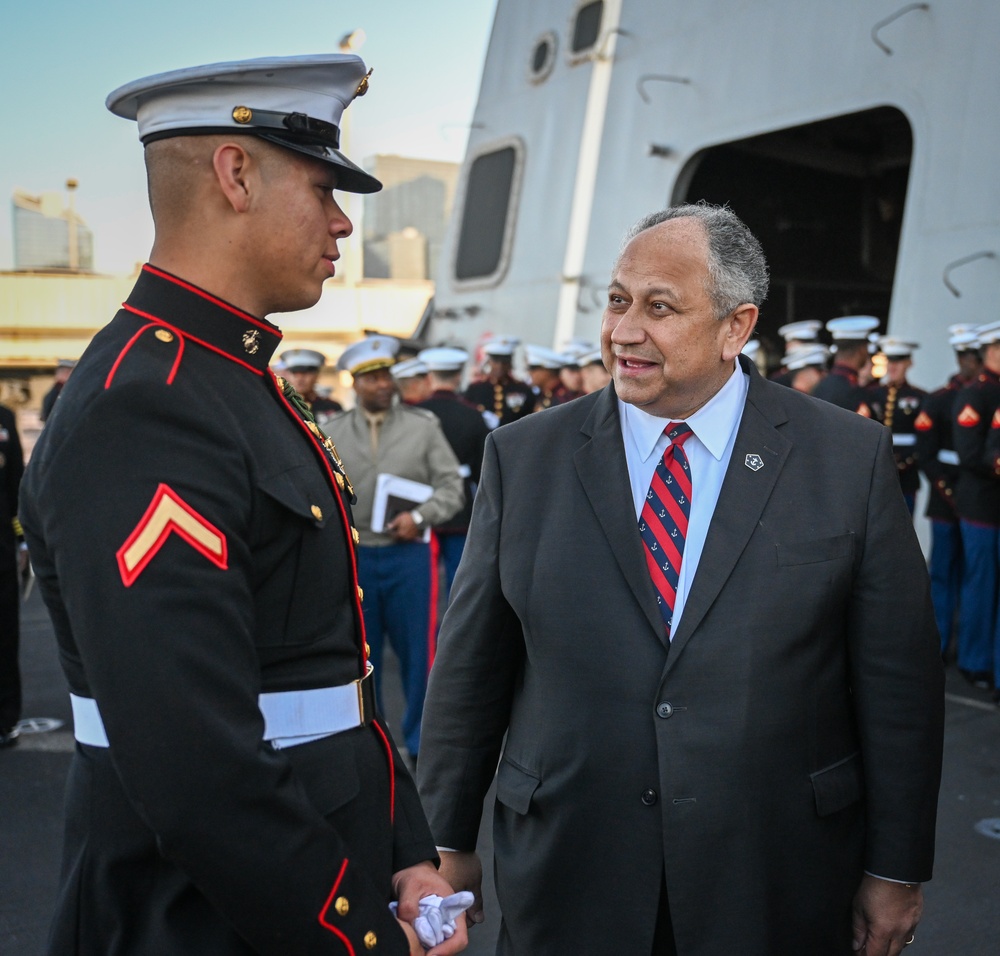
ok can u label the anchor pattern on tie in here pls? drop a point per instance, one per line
(663, 523)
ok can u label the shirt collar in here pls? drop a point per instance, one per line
(713, 424)
(201, 317)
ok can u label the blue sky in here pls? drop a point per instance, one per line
(59, 60)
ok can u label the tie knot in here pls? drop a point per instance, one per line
(678, 432)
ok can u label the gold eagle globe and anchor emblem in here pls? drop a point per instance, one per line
(363, 85)
(251, 341)
(242, 114)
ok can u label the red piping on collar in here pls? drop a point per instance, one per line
(211, 298)
(194, 338)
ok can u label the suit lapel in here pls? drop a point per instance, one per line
(603, 471)
(744, 494)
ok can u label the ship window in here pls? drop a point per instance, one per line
(826, 201)
(488, 214)
(543, 57)
(587, 26)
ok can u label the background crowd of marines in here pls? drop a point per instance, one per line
(951, 435)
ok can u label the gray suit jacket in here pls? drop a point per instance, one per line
(787, 740)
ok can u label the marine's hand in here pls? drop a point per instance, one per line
(403, 527)
(411, 886)
(416, 949)
(464, 871)
(886, 915)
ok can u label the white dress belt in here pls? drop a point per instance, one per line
(904, 440)
(291, 717)
(948, 457)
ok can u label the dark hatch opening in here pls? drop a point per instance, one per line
(826, 201)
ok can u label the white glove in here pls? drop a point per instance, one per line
(436, 921)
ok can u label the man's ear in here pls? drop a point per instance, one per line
(232, 163)
(740, 325)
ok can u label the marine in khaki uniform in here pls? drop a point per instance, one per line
(397, 566)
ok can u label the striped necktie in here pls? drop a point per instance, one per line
(663, 523)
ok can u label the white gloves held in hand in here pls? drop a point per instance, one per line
(436, 921)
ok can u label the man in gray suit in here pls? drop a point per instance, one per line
(695, 605)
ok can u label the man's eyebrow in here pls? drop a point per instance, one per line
(665, 291)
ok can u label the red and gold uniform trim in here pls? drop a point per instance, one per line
(968, 417)
(924, 422)
(169, 513)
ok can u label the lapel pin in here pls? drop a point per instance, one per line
(754, 462)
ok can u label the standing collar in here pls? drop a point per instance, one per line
(712, 424)
(201, 317)
(845, 371)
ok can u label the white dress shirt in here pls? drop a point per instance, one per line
(708, 452)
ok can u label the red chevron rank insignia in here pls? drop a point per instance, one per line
(924, 422)
(167, 513)
(968, 417)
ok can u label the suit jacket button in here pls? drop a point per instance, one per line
(664, 709)
(649, 797)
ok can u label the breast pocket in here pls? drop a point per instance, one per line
(299, 551)
(815, 551)
(301, 491)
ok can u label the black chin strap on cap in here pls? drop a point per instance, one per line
(296, 125)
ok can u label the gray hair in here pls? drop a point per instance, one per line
(737, 269)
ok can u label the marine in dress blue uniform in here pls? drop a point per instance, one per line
(977, 498)
(466, 431)
(938, 460)
(11, 538)
(896, 404)
(796, 335)
(544, 366)
(500, 393)
(850, 336)
(302, 367)
(804, 367)
(233, 789)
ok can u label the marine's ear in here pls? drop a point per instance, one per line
(233, 165)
